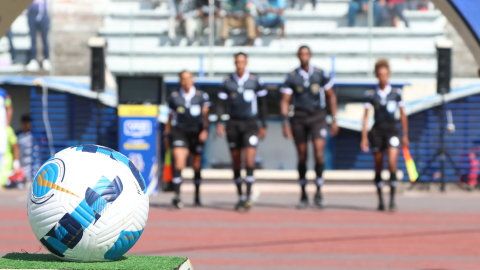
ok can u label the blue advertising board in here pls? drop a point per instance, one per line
(138, 138)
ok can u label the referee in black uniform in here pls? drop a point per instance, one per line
(186, 131)
(308, 89)
(384, 135)
(243, 97)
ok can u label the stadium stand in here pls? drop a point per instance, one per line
(411, 52)
(21, 43)
(136, 37)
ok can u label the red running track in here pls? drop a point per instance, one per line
(277, 236)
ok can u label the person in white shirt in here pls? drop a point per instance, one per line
(183, 14)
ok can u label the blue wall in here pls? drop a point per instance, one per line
(73, 121)
(424, 131)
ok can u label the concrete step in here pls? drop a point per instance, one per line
(289, 175)
(322, 11)
(155, 27)
(269, 66)
(10, 70)
(20, 25)
(422, 47)
(19, 42)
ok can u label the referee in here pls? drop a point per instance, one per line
(384, 135)
(243, 97)
(186, 131)
(308, 89)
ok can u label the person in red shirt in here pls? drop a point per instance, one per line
(396, 8)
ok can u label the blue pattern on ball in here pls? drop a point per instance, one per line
(50, 173)
(124, 243)
(68, 231)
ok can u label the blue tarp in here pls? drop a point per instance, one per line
(469, 9)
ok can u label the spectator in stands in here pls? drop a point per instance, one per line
(12, 48)
(25, 141)
(423, 5)
(270, 15)
(314, 2)
(238, 16)
(203, 10)
(182, 15)
(358, 6)
(38, 20)
(396, 8)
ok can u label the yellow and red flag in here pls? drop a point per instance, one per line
(411, 169)
(167, 175)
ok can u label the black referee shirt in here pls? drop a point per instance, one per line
(241, 95)
(187, 108)
(307, 88)
(385, 103)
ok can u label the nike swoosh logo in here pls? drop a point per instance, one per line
(41, 181)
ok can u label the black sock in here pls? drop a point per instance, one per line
(319, 167)
(177, 181)
(393, 185)
(304, 193)
(176, 189)
(236, 174)
(249, 189)
(177, 173)
(379, 184)
(302, 171)
(198, 181)
(238, 182)
(249, 180)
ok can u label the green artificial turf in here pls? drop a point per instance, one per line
(48, 261)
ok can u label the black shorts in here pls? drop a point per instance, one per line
(187, 138)
(242, 133)
(309, 124)
(381, 137)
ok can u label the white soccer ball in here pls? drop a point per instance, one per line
(88, 203)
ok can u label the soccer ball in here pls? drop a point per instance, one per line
(88, 203)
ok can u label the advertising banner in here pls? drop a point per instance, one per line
(138, 140)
